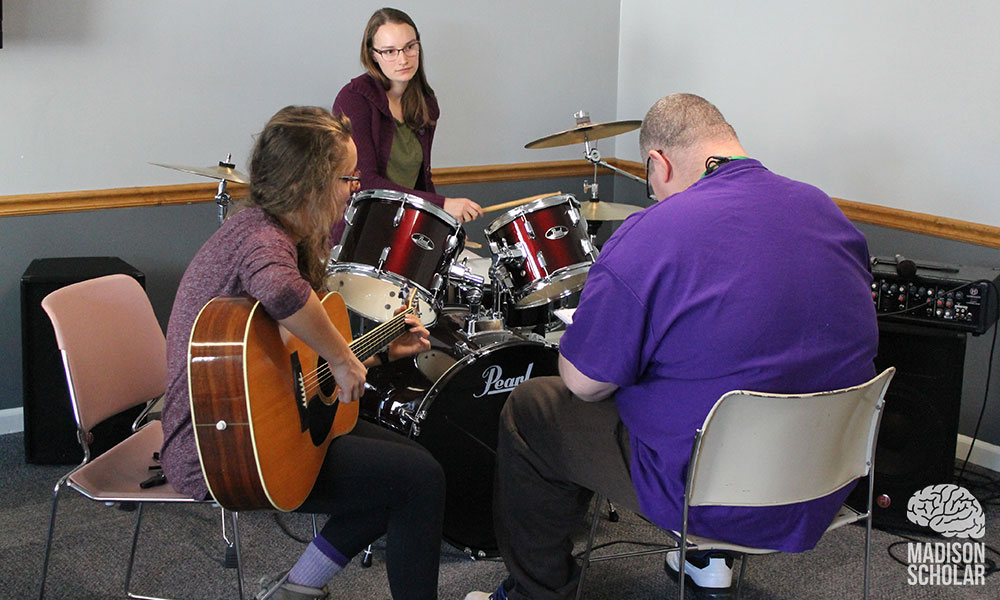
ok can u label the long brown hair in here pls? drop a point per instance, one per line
(414, 101)
(294, 163)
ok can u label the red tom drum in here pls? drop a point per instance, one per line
(393, 240)
(544, 249)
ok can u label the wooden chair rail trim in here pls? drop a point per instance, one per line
(60, 202)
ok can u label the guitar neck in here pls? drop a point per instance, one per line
(370, 343)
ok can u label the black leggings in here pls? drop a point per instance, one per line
(375, 482)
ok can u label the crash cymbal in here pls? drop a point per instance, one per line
(586, 132)
(219, 172)
(606, 211)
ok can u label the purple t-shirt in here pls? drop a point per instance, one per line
(250, 255)
(746, 280)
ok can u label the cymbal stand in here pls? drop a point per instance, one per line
(593, 155)
(222, 197)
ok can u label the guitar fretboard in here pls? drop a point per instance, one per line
(367, 345)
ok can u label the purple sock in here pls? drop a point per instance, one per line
(317, 565)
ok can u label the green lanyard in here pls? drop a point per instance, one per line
(714, 162)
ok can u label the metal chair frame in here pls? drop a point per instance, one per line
(861, 407)
(114, 477)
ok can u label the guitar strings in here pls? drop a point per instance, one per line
(369, 343)
(363, 347)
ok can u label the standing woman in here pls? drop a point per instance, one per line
(273, 248)
(393, 111)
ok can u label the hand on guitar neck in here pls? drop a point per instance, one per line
(414, 340)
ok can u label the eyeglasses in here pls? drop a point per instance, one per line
(390, 54)
(351, 178)
(649, 189)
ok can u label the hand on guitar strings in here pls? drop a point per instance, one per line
(350, 377)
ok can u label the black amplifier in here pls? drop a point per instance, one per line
(961, 298)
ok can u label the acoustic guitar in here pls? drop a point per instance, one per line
(264, 404)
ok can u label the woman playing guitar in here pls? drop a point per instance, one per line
(272, 248)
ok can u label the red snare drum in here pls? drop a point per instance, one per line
(544, 249)
(392, 240)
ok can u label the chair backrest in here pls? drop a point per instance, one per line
(113, 349)
(758, 449)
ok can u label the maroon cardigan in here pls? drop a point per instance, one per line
(365, 103)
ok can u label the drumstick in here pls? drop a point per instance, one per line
(471, 244)
(514, 203)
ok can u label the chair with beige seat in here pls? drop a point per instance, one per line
(114, 354)
(758, 449)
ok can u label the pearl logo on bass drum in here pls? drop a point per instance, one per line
(496, 384)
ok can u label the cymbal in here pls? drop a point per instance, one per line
(606, 211)
(219, 172)
(587, 132)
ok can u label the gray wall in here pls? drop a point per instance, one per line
(890, 103)
(91, 91)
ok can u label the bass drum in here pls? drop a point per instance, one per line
(449, 400)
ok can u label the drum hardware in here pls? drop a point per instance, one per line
(507, 254)
(349, 213)
(224, 171)
(595, 211)
(527, 227)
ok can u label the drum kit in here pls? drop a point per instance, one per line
(491, 318)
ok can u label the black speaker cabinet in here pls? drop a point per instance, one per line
(919, 431)
(49, 424)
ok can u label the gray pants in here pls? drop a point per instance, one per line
(555, 450)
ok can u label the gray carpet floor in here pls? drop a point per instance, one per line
(181, 553)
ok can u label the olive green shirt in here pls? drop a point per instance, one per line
(405, 158)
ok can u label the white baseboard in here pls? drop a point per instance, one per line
(983, 454)
(11, 420)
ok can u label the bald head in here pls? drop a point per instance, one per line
(684, 121)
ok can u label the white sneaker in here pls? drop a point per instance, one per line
(499, 594)
(713, 571)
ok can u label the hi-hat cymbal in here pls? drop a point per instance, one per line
(587, 132)
(606, 211)
(219, 172)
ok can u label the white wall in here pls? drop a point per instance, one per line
(891, 102)
(91, 91)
